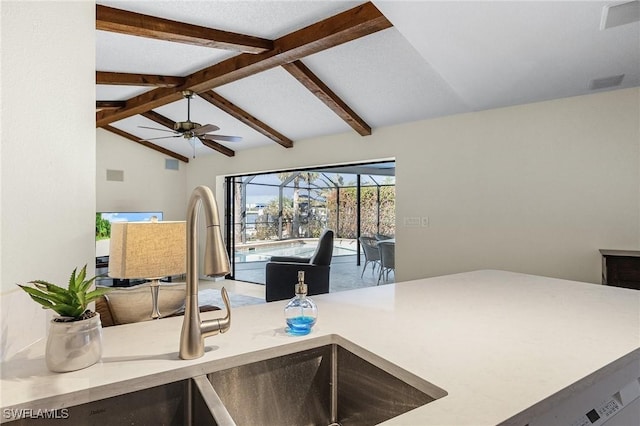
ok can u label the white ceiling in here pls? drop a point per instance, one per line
(440, 58)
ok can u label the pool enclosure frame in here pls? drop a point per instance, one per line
(380, 175)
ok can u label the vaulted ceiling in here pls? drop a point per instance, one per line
(277, 72)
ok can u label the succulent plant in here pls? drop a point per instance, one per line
(68, 302)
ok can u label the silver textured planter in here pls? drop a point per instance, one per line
(74, 345)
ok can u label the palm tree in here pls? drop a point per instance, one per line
(240, 236)
(296, 178)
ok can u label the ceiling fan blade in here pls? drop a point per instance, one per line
(206, 129)
(222, 138)
(156, 128)
(162, 137)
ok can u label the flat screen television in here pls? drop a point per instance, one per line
(103, 226)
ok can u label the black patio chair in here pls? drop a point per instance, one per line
(282, 271)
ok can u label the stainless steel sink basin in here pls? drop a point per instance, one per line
(324, 381)
(323, 385)
(172, 404)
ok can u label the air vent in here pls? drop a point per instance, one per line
(115, 175)
(606, 82)
(620, 14)
(171, 164)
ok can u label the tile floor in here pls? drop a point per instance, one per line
(345, 275)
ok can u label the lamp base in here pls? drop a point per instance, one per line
(155, 287)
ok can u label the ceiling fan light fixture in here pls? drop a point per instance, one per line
(185, 126)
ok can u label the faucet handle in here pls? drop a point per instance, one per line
(225, 322)
(218, 325)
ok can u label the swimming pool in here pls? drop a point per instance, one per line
(301, 249)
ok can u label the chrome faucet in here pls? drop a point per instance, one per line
(216, 264)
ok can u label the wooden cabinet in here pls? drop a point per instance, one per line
(621, 268)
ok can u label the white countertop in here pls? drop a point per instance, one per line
(497, 342)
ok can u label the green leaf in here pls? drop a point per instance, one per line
(74, 301)
(44, 302)
(56, 292)
(72, 281)
(86, 284)
(81, 300)
(100, 291)
(40, 283)
(34, 292)
(56, 298)
(51, 298)
(68, 310)
(80, 278)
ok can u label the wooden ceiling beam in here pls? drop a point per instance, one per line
(169, 123)
(346, 26)
(110, 104)
(126, 79)
(218, 147)
(145, 143)
(311, 81)
(136, 24)
(139, 104)
(159, 118)
(336, 30)
(239, 114)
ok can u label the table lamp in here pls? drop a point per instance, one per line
(149, 250)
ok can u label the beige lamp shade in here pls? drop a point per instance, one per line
(147, 249)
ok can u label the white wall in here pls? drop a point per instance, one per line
(147, 185)
(48, 155)
(537, 188)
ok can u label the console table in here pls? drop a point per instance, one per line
(621, 268)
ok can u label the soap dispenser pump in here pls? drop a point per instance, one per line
(301, 312)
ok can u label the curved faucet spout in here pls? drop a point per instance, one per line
(216, 264)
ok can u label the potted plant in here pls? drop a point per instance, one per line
(75, 336)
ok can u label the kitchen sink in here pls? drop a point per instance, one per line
(324, 381)
(324, 385)
(172, 404)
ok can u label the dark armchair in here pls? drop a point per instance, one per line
(282, 271)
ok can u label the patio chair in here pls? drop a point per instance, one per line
(371, 253)
(387, 259)
(382, 237)
(282, 271)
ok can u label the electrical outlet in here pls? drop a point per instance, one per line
(425, 221)
(412, 222)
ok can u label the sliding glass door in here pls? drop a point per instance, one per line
(283, 213)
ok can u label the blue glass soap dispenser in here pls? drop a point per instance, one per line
(301, 313)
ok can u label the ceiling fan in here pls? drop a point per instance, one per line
(190, 130)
